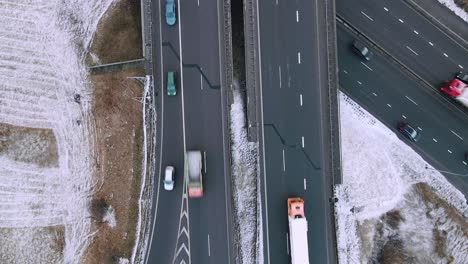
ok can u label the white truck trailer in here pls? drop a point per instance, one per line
(297, 231)
(193, 173)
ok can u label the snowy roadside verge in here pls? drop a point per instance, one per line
(382, 203)
(450, 4)
(244, 174)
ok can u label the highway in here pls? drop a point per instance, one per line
(186, 230)
(393, 96)
(293, 89)
(432, 53)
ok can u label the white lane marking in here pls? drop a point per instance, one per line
(435, 140)
(403, 116)
(374, 94)
(302, 142)
(401, 21)
(299, 57)
(449, 151)
(198, 2)
(411, 50)
(432, 44)
(461, 67)
(367, 16)
(420, 129)
(204, 160)
(389, 105)
(464, 162)
(297, 16)
(445, 54)
(411, 100)
(209, 246)
(305, 184)
(284, 162)
(279, 73)
(415, 32)
(367, 66)
(453, 132)
(360, 83)
(287, 243)
(347, 72)
(386, 9)
(201, 81)
(300, 98)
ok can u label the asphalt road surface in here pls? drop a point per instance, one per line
(185, 229)
(293, 80)
(408, 36)
(393, 96)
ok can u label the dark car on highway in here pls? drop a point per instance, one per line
(409, 132)
(361, 50)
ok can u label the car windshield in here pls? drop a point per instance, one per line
(169, 9)
(365, 51)
(167, 182)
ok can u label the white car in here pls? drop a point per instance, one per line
(169, 178)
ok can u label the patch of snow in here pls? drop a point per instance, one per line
(244, 157)
(109, 217)
(379, 173)
(450, 4)
(123, 261)
(42, 51)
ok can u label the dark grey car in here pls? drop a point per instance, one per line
(409, 132)
(363, 51)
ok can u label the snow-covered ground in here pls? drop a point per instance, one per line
(450, 4)
(244, 156)
(42, 43)
(381, 206)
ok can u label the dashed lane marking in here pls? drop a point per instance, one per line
(368, 17)
(435, 140)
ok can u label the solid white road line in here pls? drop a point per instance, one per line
(299, 57)
(453, 132)
(367, 66)
(370, 18)
(284, 162)
(267, 242)
(209, 246)
(411, 100)
(300, 98)
(412, 50)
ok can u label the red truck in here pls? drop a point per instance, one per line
(457, 88)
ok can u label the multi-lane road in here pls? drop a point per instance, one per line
(294, 86)
(293, 131)
(391, 92)
(186, 230)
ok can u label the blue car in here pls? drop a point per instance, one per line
(170, 12)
